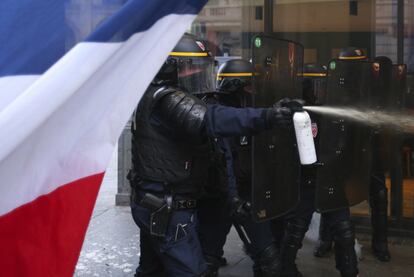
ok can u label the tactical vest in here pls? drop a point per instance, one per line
(158, 156)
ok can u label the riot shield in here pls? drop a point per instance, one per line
(276, 168)
(345, 151)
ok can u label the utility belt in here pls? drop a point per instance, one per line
(161, 207)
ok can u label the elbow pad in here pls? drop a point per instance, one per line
(183, 112)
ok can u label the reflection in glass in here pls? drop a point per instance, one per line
(227, 26)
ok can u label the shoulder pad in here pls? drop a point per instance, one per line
(162, 91)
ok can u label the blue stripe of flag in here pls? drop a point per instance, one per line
(139, 15)
(34, 34)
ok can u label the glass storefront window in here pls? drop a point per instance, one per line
(227, 27)
(325, 26)
(385, 42)
(409, 35)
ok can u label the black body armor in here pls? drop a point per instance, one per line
(167, 144)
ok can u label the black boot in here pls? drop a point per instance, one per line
(290, 245)
(345, 255)
(267, 263)
(325, 239)
(379, 222)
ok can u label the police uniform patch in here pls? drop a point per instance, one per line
(314, 130)
(244, 140)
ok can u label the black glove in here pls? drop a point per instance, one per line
(279, 117)
(295, 105)
(240, 209)
(282, 102)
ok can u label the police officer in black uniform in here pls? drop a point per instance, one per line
(234, 89)
(378, 191)
(170, 151)
(297, 222)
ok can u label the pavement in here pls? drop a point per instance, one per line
(111, 247)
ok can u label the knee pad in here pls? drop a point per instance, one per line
(344, 233)
(295, 232)
(345, 255)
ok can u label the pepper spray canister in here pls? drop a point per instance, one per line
(304, 137)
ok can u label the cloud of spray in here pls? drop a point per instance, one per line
(398, 120)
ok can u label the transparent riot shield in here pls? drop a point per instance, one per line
(345, 151)
(276, 168)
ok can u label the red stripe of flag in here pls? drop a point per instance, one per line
(45, 236)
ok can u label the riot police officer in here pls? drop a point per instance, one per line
(234, 88)
(296, 223)
(170, 151)
(378, 191)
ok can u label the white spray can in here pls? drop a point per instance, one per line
(304, 137)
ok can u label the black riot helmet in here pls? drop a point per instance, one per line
(352, 53)
(314, 84)
(235, 76)
(189, 66)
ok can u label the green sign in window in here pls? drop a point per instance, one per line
(258, 42)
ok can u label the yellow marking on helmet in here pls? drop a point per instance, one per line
(312, 74)
(241, 74)
(189, 54)
(353, 58)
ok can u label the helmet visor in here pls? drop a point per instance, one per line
(196, 75)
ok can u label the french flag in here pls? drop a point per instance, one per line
(63, 105)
